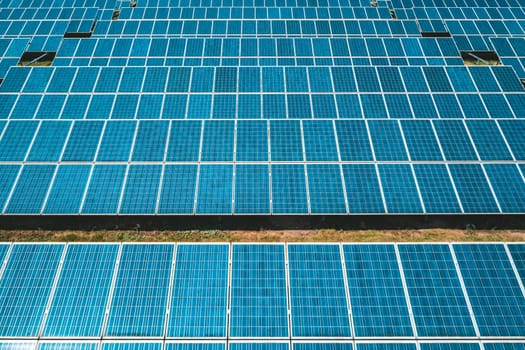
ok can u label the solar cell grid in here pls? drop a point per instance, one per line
(378, 301)
(435, 292)
(140, 295)
(479, 265)
(80, 298)
(258, 296)
(25, 287)
(318, 300)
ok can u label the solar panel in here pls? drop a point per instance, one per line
(188, 92)
(379, 307)
(437, 300)
(199, 294)
(258, 296)
(140, 295)
(26, 284)
(317, 294)
(81, 293)
(480, 264)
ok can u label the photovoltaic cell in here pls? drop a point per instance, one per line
(435, 292)
(200, 290)
(490, 280)
(379, 308)
(67, 346)
(140, 296)
(258, 295)
(317, 295)
(80, 298)
(25, 287)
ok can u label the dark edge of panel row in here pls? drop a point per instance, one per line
(256, 222)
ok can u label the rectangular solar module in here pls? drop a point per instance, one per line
(200, 291)
(258, 296)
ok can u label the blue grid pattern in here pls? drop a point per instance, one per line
(82, 291)
(435, 292)
(490, 280)
(379, 308)
(25, 287)
(258, 296)
(198, 104)
(317, 296)
(140, 297)
(68, 346)
(255, 291)
(200, 290)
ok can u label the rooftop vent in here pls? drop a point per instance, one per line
(116, 15)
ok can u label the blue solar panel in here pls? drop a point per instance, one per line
(436, 188)
(379, 308)
(399, 188)
(67, 346)
(199, 295)
(25, 287)
(252, 189)
(420, 140)
(131, 346)
(214, 194)
(139, 300)
(436, 296)
(386, 140)
(289, 189)
(67, 191)
(150, 141)
(325, 186)
(104, 190)
(141, 189)
(449, 346)
(317, 293)
(194, 346)
(322, 346)
(362, 189)
(259, 304)
(259, 346)
(391, 346)
(490, 280)
(454, 140)
(473, 188)
(82, 291)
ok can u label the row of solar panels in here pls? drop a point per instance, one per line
(265, 106)
(475, 13)
(269, 47)
(107, 4)
(252, 140)
(257, 3)
(276, 290)
(240, 345)
(250, 61)
(338, 79)
(260, 189)
(307, 27)
(49, 13)
(256, 13)
(455, 3)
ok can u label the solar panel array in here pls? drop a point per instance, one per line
(262, 296)
(162, 107)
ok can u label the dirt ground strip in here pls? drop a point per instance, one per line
(470, 234)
